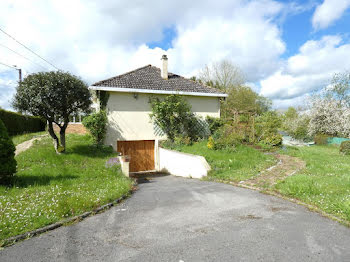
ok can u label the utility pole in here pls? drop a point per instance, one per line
(19, 73)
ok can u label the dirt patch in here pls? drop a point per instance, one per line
(27, 144)
(286, 166)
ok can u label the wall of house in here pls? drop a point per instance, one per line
(128, 116)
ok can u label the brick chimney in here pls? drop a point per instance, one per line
(164, 68)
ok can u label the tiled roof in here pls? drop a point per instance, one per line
(149, 78)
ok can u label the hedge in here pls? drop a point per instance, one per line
(19, 124)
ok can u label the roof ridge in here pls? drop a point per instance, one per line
(114, 77)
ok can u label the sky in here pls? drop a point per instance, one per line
(286, 49)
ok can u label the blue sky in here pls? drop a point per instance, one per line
(286, 49)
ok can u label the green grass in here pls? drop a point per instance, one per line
(24, 137)
(243, 163)
(50, 187)
(325, 182)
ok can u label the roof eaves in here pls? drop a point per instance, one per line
(152, 91)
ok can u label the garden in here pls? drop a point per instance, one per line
(247, 140)
(46, 184)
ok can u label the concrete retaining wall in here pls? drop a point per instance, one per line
(182, 164)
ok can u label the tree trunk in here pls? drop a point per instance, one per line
(63, 135)
(56, 142)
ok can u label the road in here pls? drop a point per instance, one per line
(177, 219)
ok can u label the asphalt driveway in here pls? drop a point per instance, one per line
(176, 219)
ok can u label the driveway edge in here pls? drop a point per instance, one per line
(12, 240)
(296, 201)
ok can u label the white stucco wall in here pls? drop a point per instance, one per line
(128, 117)
(182, 164)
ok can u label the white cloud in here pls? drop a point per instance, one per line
(328, 12)
(309, 70)
(99, 39)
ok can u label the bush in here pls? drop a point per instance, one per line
(7, 155)
(321, 139)
(272, 140)
(345, 147)
(214, 123)
(266, 127)
(174, 118)
(16, 123)
(225, 138)
(96, 124)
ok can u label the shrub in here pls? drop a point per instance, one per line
(321, 139)
(266, 127)
(225, 138)
(214, 123)
(345, 147)
(174, 117)
(7, 155)
(272, 140)
(96, 124)
(16, 123)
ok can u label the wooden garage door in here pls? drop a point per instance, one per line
(141, 153)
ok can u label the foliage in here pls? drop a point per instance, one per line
(330, 110)
(266, 127)
(325, 182)
(7, 155)
(48, 188)
(296, 125)
(226, 137)
(174, 117)
(328, 116)
(96, 123)
(54, 96)
(241, 164)
(244, 99)
(214, 123)
(345, 147)
(223, 75)
(104, 97)
(18, 124)
(321, 139)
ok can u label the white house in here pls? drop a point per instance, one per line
(130, 129)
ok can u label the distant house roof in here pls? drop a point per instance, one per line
(148, 79)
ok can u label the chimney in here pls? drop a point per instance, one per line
(164, 68)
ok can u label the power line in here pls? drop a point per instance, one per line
(22, 56)
(28, 49)
(7, 65)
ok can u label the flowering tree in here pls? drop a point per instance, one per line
(330, 111)
(329, 116)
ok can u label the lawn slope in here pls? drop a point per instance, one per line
(50, 187)
(325, 182)
(241, 164)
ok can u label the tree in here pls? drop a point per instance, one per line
(244, 99)
(223, 75)
(339, 89)
(54, 96)
(330, 109)
(174, 117)
(7, 154)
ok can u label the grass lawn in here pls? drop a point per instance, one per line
(50, 187)
(243, 163)
(325, 182)
(24, 137)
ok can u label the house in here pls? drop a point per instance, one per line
(130, 129)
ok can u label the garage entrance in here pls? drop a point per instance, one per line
(141, 153)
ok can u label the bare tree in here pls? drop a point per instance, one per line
(223, 75)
